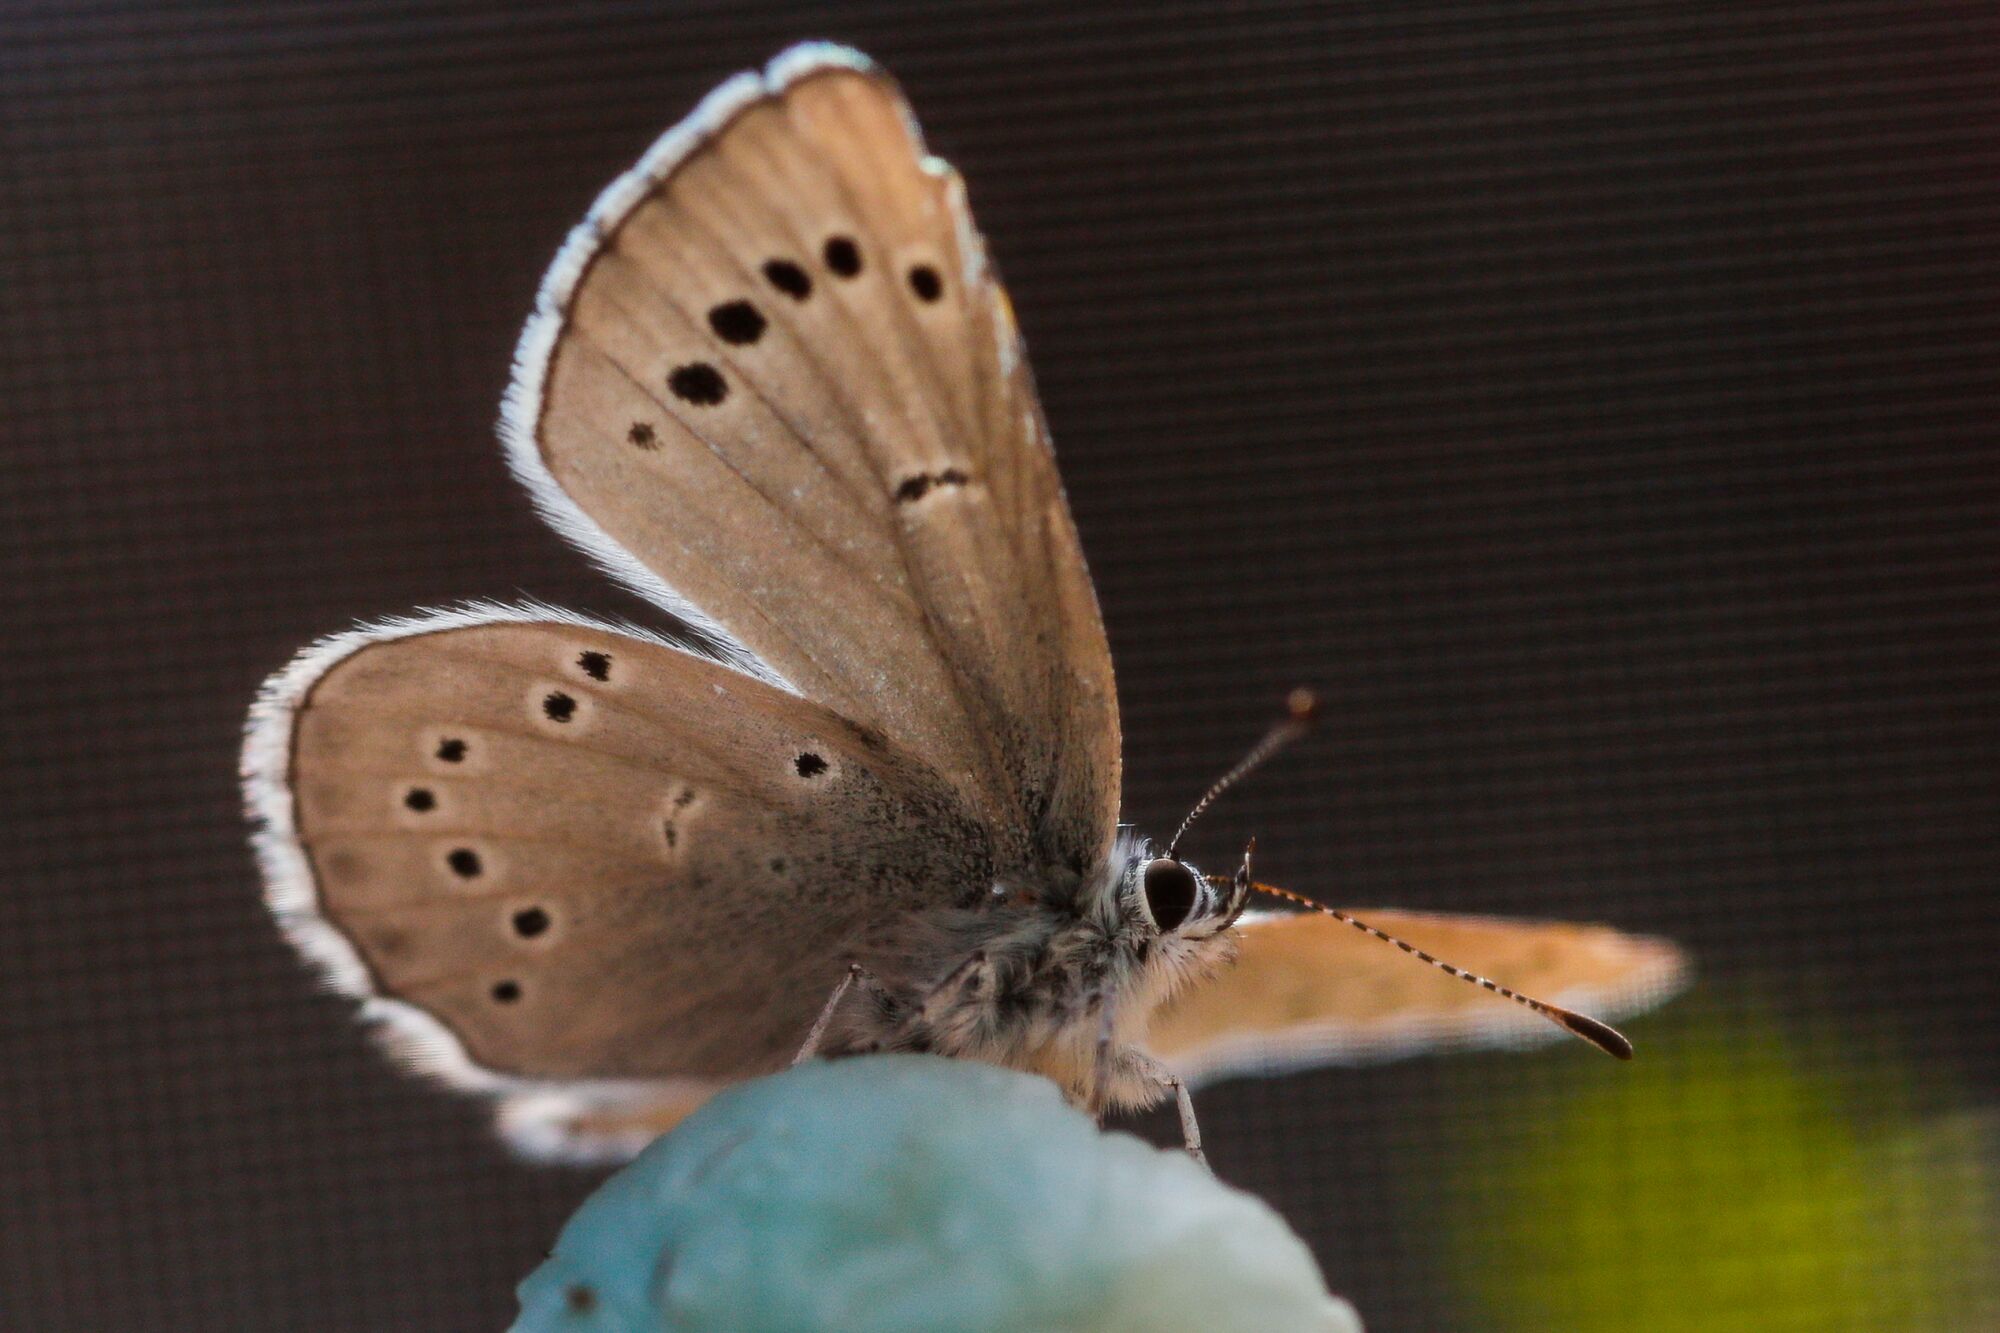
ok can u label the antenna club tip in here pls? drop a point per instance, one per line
(1601, 1035)
(1303, 705)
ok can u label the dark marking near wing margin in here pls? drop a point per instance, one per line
(917, 487)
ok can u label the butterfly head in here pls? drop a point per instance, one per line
(1169, 893)
(1174, 898)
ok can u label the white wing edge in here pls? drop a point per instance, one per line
(1506, 1027)
(410, 1035)
(540, 1125)
(521, 406)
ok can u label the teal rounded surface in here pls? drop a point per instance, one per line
(902, 1193)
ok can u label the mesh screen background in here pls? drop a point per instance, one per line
(1594, 400)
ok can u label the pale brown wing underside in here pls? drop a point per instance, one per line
(1308, 990)
(774, 384)
(570, 853)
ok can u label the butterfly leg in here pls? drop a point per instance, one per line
(817, 1034)
(1164, 1077)
(1102, 1060)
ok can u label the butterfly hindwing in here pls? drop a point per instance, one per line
(570, 852)
(774, 382)
(1306, 989)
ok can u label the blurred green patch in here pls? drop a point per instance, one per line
(1734, 1176)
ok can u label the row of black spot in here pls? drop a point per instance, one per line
(739, 323)
(528, 922)
(558, 706)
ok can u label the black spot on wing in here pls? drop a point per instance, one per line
(558, 707)
(642, 435)
(788, 278)
(698, 383)
(926, 283)
(843, 256)
(736, 323)
(451, 750)
(595, 665)
(809, 765)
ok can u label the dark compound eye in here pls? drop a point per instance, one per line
(1171, 893)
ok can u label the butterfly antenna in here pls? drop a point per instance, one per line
(1301, 708)
(1601, 1035)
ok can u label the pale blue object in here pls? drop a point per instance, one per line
(909, 1194)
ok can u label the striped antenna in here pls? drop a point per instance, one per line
(1601, 1035)
(1301, 707)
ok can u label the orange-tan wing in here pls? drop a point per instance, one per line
(1308, 990)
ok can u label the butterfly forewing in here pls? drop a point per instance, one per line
(588, 855)
(778, 372)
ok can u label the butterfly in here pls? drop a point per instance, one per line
(868, 797)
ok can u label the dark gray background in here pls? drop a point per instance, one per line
(1594, 400)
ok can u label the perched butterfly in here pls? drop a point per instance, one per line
(871, 801)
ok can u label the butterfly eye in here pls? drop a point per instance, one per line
(1171, 893)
